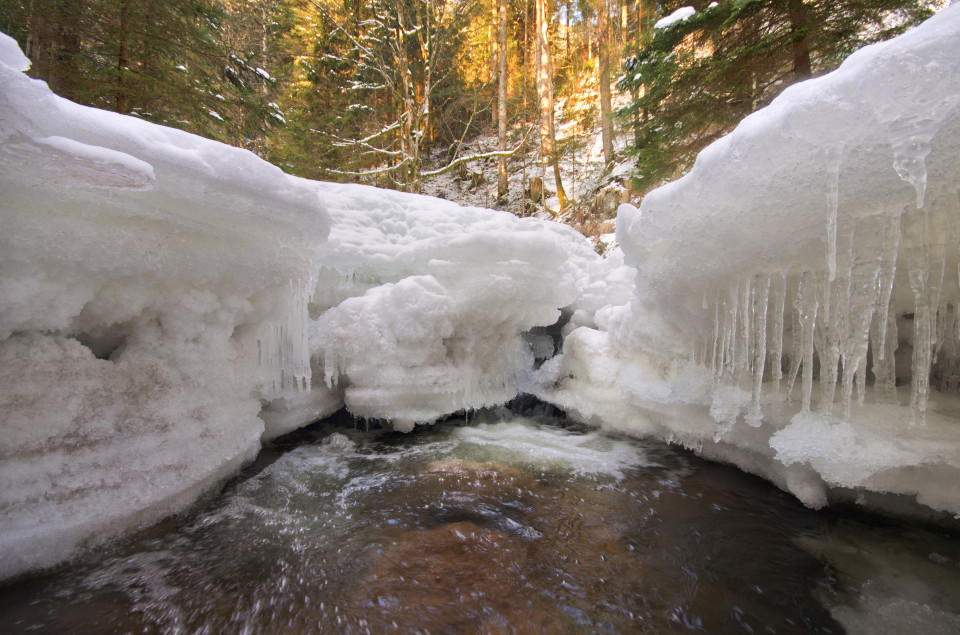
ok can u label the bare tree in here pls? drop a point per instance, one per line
(502, 184)
(603, 68)
(545, 91)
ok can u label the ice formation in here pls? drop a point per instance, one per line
(796, 303)
(147, 304)
(167, 303)
(443, 301)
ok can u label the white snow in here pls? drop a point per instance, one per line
(145, 273)
(813, 246)
(679, 15)
(431, 300)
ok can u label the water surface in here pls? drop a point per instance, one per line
(512, 526)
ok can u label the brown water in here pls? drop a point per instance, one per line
(515, 526)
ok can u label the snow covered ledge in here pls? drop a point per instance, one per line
(154, 290)
(796, 303)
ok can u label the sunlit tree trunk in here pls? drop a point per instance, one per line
(502, 186)
(603, 67)
(545, 91)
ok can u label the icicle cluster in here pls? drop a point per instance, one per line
(841, 321)
(823, 235)
(284, 351)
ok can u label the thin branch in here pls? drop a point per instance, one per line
(385, 170)
(473, 157)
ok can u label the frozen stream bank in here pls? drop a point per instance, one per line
(167, 304)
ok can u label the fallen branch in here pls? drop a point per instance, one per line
(473, 157)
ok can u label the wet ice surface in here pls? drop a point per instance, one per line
(506, 526)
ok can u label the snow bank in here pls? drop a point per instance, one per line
(425, 308)
(805, 268)
(167, 303)
(153, 291)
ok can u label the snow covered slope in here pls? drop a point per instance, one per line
(817, 243)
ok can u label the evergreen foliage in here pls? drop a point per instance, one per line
(694, 80)
(389, 92)
(167, 62)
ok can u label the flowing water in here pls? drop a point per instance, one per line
(512, 526)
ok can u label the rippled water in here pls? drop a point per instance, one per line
(516, 526)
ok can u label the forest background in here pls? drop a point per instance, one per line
(549, 107)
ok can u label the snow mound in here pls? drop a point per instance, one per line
(424, 304)
(152, 293)
(681, 14)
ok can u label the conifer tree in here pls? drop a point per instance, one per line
(162, 61)
(697, 78)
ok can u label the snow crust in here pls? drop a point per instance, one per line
(795, 309)
(144, 271)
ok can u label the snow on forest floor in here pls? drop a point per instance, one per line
(594, 192)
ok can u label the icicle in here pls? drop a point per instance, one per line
(861, 382)
(807, 305)
(730, 359)
(746, 341)
(760, 299)
(883, 339)
(918, 267)
(796, 349)
(828, 330)
(863, 274)
(714, 359)
(284, 348)
(834, 155)
(779, 291)
(888, 269)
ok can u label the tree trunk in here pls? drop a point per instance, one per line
(502, 185)
(606, 110)
(545, 91)
(121, 97)
(799, 39)
(494, 34)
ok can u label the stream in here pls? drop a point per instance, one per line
(512, 525)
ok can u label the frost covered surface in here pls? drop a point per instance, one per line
(152, 293)
(805, 268)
